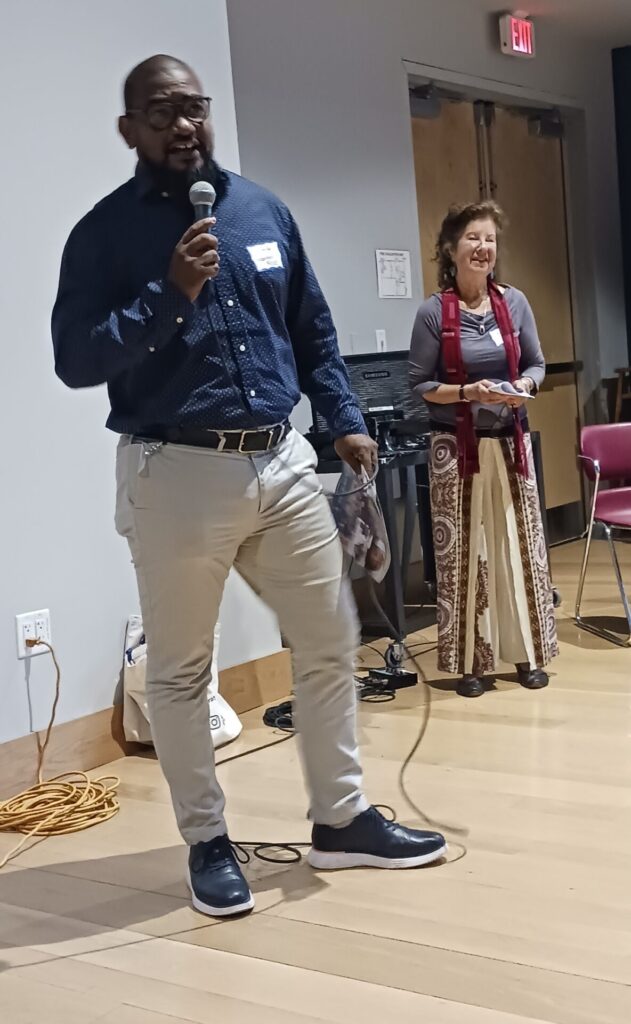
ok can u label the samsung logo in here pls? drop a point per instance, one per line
(376, 374)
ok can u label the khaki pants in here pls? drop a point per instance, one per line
(189, 514)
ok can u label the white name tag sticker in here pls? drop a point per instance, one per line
(496, 336)
(266, 256)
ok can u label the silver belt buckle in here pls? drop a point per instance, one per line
(270, 438)
(282, 429)
(222, 440)
(244, 434)
(242, 450)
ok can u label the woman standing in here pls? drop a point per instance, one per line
(494, 591)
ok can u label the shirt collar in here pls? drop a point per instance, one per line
(145, 184)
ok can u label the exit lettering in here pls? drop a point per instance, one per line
(521, 36)
(517, 36)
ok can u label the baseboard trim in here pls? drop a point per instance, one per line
(97, 739)
(257, 682)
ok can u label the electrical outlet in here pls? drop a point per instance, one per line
(382, 341)
(32, 626)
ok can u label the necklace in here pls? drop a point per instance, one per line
(480, 305)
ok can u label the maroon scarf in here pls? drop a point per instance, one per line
(468, 461)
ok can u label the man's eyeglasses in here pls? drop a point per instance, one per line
(162, 114)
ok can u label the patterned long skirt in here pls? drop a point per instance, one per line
(493, 581)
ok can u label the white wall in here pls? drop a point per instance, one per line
(61, 69)
(323, 119)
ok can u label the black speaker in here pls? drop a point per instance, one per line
(380, 382)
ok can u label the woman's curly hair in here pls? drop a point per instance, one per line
(453, 228)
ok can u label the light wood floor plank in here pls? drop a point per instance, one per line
(469, 979)
(165, 996)
(55, 935)
(29, 1001)
(20, 956)
(289, 989)
(98, 903)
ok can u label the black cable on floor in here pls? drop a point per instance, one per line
(372, 692)
(280, 717)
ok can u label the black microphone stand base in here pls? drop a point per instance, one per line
(391, 678)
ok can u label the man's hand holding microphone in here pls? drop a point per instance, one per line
(196, 257)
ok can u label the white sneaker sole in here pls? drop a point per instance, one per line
(206, 908)
(339, 861)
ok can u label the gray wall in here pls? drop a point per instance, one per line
(61, 68)
(323, 118)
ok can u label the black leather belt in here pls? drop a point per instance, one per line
(246, 442)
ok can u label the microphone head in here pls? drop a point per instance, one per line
(202, 193)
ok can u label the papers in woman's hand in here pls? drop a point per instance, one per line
(506, 388)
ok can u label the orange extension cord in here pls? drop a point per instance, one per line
(68, 803)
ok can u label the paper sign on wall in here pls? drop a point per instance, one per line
(394, 274)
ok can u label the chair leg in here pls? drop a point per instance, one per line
(605, 634)
(621, 586)
(581, 582)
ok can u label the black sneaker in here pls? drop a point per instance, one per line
(373, 842)
(216, 881)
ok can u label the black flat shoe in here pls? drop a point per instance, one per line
(532, 679)
(372, 842)
(470, 686)
(217, 884)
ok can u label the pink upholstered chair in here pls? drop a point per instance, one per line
(606, 456)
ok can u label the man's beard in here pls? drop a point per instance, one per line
(178, 183)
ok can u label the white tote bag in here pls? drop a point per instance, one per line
(224, 722)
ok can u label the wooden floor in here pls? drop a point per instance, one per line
(533, 924)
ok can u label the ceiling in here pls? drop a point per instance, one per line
(607, 20)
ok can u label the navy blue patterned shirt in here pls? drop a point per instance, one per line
(238, 357)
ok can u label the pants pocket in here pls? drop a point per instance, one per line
(127, 469)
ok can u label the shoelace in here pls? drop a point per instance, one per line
(289, 852)
(243, 852)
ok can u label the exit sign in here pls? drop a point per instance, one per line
(517, 36)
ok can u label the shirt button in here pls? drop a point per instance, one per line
(152, 348)
(165, 195)
(252, 393)
(230, 303)
(241, 348)
(179, 320)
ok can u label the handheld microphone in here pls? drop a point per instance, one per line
(202, 195)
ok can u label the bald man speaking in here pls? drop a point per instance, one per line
(206, 333)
